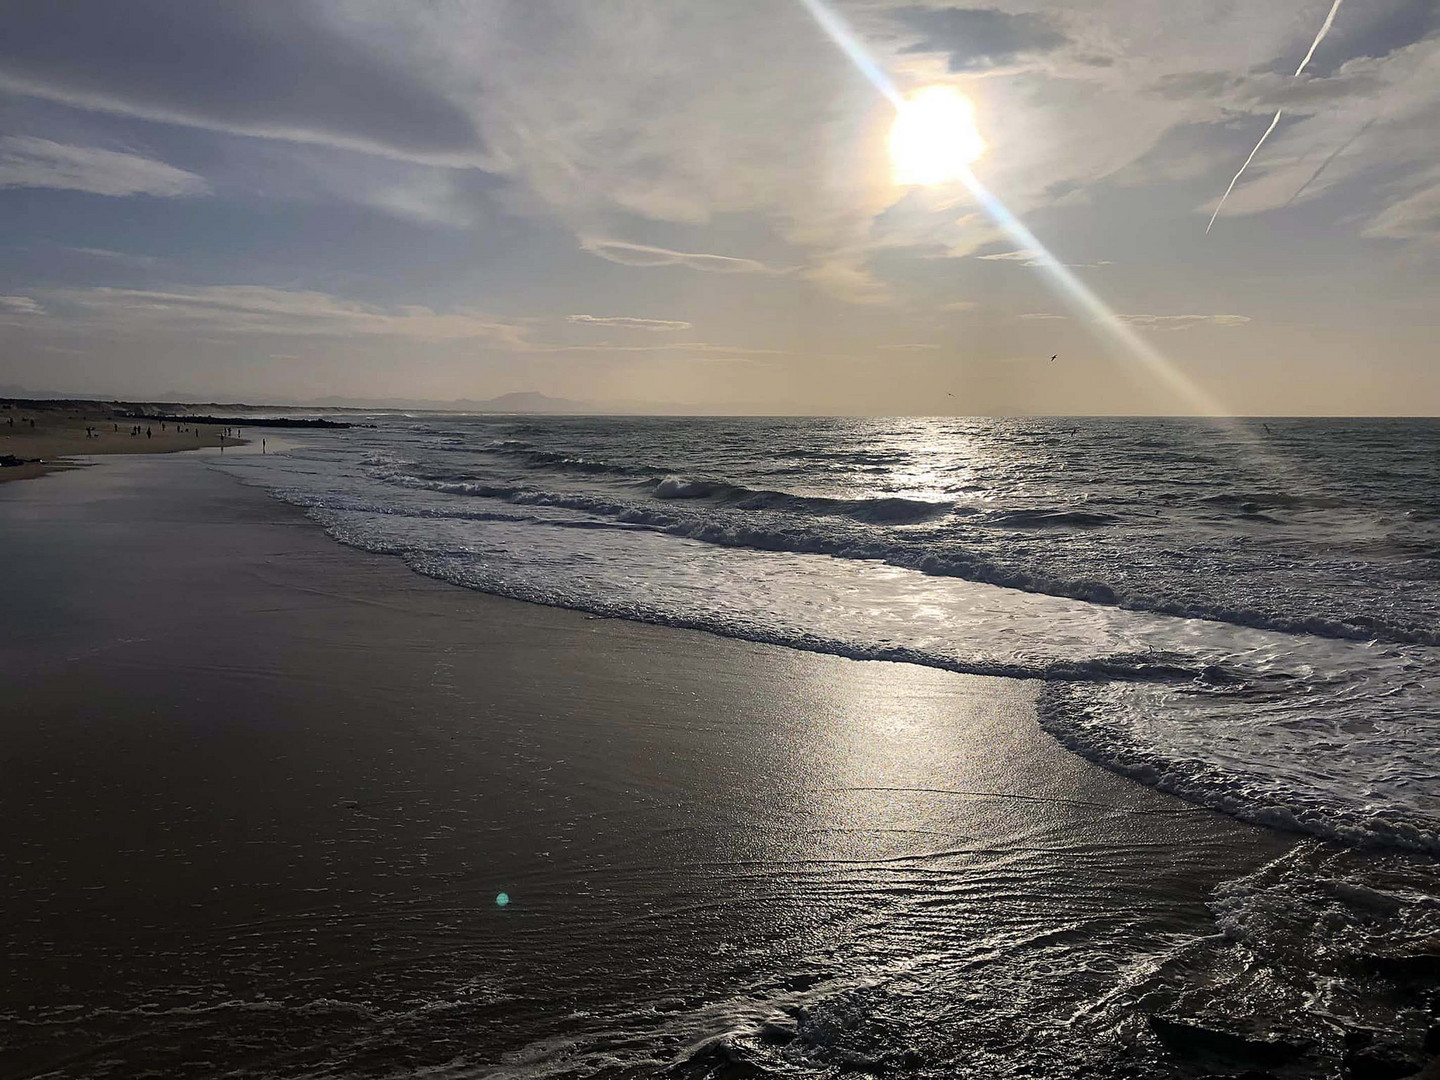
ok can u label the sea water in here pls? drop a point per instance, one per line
(1245, 614)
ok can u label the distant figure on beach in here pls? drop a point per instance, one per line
(262, 446)
(147, 433)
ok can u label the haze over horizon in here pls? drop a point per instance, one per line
(693, 205)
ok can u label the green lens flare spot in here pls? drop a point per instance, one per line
(502, 899)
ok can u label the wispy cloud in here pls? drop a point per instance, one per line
(313, 73)
(258, 309)
(1024, 256)
(1039, 315)
(668, 347)
(627, 254)
(1028, 257)
(977, 38)
(26, 161)
(114, 256)
(631, 323)
(235, 310)
(910, 346)
(1415, 217)
(1183, 322)
(20, 305)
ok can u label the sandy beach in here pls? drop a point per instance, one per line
(48, 435)
(263, 794)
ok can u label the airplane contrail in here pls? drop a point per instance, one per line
(1236, 178)
(1329, 160)
(1324, 29)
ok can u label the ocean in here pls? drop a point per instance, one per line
(1245, 614)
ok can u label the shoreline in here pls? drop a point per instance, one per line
(46, 437)
(222, 718)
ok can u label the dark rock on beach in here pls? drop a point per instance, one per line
(244, 421)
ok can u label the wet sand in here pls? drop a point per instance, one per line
(261, 793)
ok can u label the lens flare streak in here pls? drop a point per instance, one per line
(1085, 299)
(1072, 288)
(840, 33)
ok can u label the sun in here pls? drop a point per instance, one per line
(934, 138)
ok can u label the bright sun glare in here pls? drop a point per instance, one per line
(934, 138)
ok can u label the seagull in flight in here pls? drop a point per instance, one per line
(1052, 359)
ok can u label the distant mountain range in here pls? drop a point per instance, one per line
(523, 401)
(519, 402)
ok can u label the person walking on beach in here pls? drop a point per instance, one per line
(147, 433)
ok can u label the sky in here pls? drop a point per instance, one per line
(688, 205)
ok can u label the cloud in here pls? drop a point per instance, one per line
(675, 346)
(1040, 315)
(259, 309)
(228, 310)
(630, 323)
(26, 161)
(726, 360)
(1030, 257)
(918, 346)
(1369, 116)
(627, 254)
(1183, 322)
(978, 38)
(114, 256)
(1188, 85)
(1025, 256)
(20, 305)
(1415, 217)
(299, 71)
(598, 138)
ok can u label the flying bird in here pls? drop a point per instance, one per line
(1052, 359)
(1324, 29)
